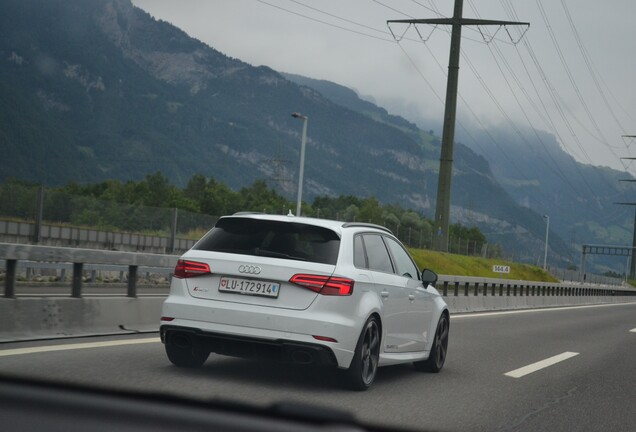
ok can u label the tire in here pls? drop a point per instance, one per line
(364, 366)
(437, 357)
(186, 357)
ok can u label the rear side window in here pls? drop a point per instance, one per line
(377, 254)
(359, 257)
(276, 239)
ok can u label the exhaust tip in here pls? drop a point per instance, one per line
(181, 341)
(302, 357)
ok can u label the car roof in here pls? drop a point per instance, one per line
(337, 226)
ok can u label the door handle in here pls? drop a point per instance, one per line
(384, 294)
(411, 297)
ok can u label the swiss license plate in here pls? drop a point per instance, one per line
(249, 287)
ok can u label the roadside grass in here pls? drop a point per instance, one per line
(461, 265)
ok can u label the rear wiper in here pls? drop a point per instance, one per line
(268, 253)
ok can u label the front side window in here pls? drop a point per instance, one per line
(276, 239)
(403, 263)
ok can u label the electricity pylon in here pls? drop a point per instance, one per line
(442, 207)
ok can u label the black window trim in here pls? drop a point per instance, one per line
(393, 260)
(364, 251)
(366, 256)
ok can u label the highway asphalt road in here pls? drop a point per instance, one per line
(555, 370)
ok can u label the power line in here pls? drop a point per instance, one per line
(339, 17)
(430, 9)
(588, 63)
(325, 22)
(556, 169)
(554, 95)
(569, 72)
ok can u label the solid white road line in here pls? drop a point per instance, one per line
(518, 373)
(32, 350)
(525, 311)
(633, 330)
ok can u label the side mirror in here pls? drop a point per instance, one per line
(429, 277)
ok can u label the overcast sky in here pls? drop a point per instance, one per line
(544, 81)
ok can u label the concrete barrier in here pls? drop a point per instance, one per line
(27, 318)
(463, 304)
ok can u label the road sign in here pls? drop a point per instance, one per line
(501, 269)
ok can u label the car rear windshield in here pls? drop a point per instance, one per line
(286, 240)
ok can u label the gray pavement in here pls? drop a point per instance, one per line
(591, 390)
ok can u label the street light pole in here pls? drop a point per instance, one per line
(301, 171)
(547, 231)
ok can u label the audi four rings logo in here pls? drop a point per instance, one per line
(249, 269)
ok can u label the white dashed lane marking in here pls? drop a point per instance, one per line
(50, 348)
(518, 373)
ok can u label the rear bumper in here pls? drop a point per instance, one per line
(328, 317)
(251, 347)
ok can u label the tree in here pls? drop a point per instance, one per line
(351, 213)
(411, 220)
(218, 199)
(370, 211)
(259, 197)
(196, 188)
(391, 221)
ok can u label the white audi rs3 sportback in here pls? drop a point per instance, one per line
(303, 290)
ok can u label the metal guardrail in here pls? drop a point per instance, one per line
(465, 286)
(12, 253)
(448, 285)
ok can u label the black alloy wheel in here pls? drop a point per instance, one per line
(364, 365)
(437, 357)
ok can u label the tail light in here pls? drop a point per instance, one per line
(325, 339)
(325, 285)
(188, 269)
